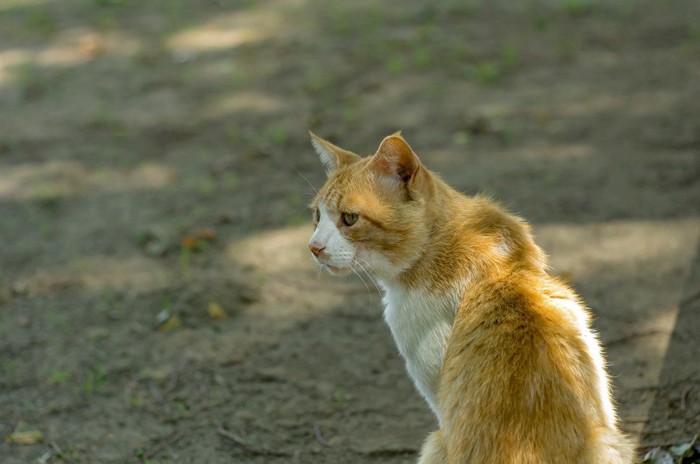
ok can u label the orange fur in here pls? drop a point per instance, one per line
(521, 377)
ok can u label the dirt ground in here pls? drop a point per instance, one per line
(157, 300)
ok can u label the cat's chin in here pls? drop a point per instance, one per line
(336, 271)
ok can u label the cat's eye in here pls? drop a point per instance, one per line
(318, 215)
(350, 218)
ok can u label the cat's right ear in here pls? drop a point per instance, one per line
(331, 156)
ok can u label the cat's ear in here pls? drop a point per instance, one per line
(331, 156)
(396, 159)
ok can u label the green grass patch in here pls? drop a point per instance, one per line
(577, 8)
(510, 56)
(339, 398)
(95, 380)
(422, 58)
(396, 64)
(32, 80)
(487, 73)
(41, 22)
(58, 377)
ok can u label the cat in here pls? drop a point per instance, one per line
(501, 351)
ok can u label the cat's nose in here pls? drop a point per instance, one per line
(316, 249)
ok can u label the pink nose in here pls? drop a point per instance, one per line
(316, 249)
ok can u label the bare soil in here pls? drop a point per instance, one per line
(157, 301)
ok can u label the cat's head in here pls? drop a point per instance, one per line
(373, 213)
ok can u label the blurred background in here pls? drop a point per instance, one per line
(157, 300)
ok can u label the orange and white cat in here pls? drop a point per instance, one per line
(502, 352)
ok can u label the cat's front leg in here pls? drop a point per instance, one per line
(433, 451)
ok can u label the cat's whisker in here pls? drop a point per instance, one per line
(366, 262)
(369, 266)
(318, 268)
(369, 292)
(356, 261)
(307, 180)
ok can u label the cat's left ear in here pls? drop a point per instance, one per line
(331, 156)
(396, 159)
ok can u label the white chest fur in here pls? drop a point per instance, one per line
(420, 322)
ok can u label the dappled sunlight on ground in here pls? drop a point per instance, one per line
(209, 37)
(79, 45)
(623, 246)
(648, 103)
(286, 272)
(10, 59)
(275, 252)
(50, 181)
(248, 102)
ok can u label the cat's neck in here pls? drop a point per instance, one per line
(470, 238)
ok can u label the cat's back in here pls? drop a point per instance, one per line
(523, 375)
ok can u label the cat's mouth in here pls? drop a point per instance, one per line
(334, 270)
(322, 262)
